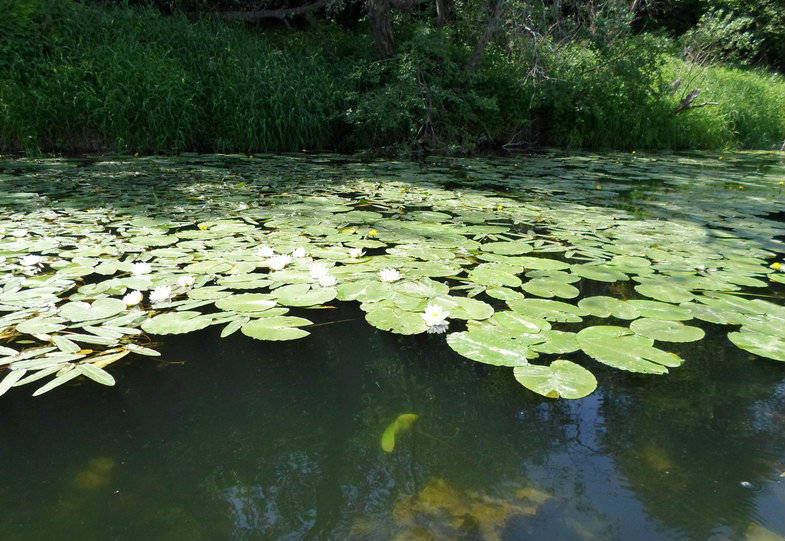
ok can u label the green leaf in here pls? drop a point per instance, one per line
(601, 306)
(303, 295)
(396, 320)
(550, 287)
(563, 379)
(96, 374)
(620, 348)
(549, 310)
(10, 379)
(56, 382)
(100, 309)
(763, 345)
(276, 328)
(660, 310)
(489, 347)
(177, 322)
(464, 307)
(401, 424)
(556, 342)
(663, 291)
(246, 302)
(667, 331)
(494, 274)
(515, 247)
(40, 325)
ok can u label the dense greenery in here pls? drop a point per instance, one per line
(77, 77)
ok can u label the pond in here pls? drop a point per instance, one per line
(362, 424)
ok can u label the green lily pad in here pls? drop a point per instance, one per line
(516, 247)
(489, 347)
(763, 345)
(549, 310)
(396, 320)
(177, 322)
(661, 310)
(663, 291)
(562, 379)
(464, 307)
(99, 309)
(601, 306)
(41, 325)
(494, 274)
(667, 331)
(246, 302)
(550, 287)
(620, 348)
(556, 342)
(276, 328)
(304, 295)
(599, 272)
(519, 323)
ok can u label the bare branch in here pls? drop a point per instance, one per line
(281, 13)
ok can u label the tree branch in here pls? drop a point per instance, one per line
(493, 25)
(281, 13)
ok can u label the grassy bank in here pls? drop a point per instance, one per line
(87, 78)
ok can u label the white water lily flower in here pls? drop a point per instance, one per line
(31, 260)
(160, 294)
(298, 252)
(435, 315)
(19, 233)
(279, 261)
(389, 275)
(265, 251)
(356, 252)
(133, 298)
(328, 280)
(138, 269)
(185, 281)
(318, 270)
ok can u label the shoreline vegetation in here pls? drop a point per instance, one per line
(108, 77)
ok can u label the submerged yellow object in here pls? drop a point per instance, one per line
(403, 422)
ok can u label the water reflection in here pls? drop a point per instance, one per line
(242, 439)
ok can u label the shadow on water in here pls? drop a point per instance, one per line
(243, 439)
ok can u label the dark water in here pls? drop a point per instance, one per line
(240, 439)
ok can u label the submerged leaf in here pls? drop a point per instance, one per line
(401, 424)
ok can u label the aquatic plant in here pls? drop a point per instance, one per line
(536, 268)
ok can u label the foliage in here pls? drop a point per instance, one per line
(126, 77)
(420, 252)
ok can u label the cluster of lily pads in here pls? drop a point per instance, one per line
(524, 266)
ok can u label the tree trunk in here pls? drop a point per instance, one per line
(444, 12)
(381, 27)
(493, 25)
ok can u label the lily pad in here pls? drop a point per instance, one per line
(100, 309)
(548, 310)
(276, 328)
(177, 322)
(667, 331)
(562, 379)
(620, 348)
(489, 347)
(396, 320)
(763, 345)
(303, 295)
(246, 302)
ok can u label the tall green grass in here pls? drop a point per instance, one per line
(130, 79)
(76, 77)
